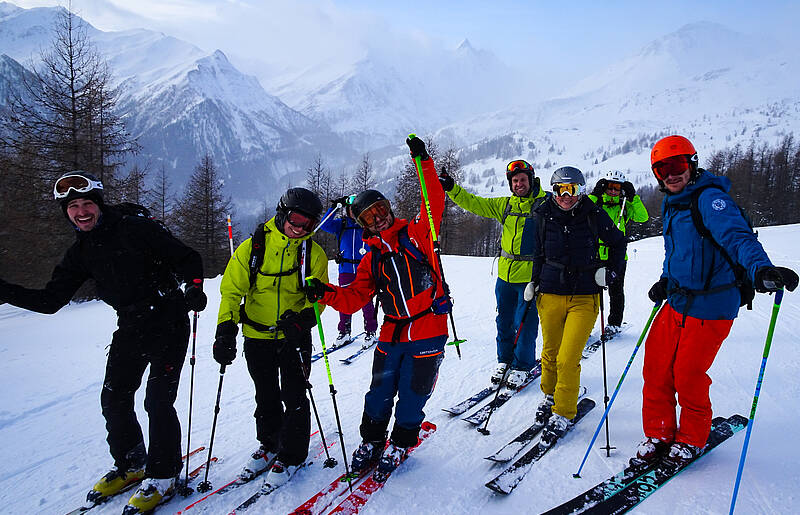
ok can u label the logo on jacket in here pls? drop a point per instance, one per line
(718, 204)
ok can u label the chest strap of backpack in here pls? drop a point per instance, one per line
(339, 259)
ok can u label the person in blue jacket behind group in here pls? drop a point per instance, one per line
(351, 249)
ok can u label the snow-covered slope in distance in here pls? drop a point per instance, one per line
(54, 437)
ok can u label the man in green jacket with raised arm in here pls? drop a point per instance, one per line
(618, 198)
(514, 267)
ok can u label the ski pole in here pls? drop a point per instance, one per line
(775, 308)
(205, 485)
(230, 234)
(619, 384)
(605, 380)
(436, 248)
(528, 295)
(322, 222)
(329, 462)
(185, 489)
(333, 390)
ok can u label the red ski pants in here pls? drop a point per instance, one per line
(676, 359)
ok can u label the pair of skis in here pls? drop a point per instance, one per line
(364, 348)
(479, 416)
(238, 481)
(626, 489)
(320, 502)
(335, 347)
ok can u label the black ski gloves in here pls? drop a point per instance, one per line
(417, 147)
(773, 278)
(600, 188)
(296, 325)
(658, 292)
(196, 300)
(315, 289)
(225, 342)
(445, 180)
(628, 190)
(341, 201)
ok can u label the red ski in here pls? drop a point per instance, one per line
(353, 502)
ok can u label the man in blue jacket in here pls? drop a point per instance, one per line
(351, 249)
(703, 297)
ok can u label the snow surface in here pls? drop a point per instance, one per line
(53, 433)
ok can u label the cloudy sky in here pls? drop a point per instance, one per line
(562, 40)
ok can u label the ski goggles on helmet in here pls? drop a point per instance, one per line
(301, 221)
(673, 165)
(379, 209)
(614, 186)
(517, 166)
(567, 188)
(76, 183)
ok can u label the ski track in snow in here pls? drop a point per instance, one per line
(53, 432)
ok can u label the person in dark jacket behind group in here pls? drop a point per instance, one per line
(402, 270)
(137, 266)
(566, 260)
(349, 238)
(702, 297)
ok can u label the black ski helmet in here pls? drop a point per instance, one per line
(568, 174)
(364, 200)
(77, 184)
(297, 199)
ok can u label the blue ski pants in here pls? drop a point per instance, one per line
(511, 307)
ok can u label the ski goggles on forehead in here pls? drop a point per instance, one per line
(567, 188)
(675, 165)
(378, 209)
(300, 221)
(76, 183)
(519, 166)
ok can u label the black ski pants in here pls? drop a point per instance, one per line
(283, 416)
(138, 342)
(616, 297)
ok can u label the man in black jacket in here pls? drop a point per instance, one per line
(137, 266)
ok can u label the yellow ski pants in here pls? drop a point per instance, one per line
(567, 322)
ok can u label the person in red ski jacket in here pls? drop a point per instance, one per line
(402, 270)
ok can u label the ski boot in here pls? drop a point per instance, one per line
(259, 461)
(681, 454)
(342, 339)
(114, 482)
(390, 460)
(499, 373)
(150, 494)
(278, 475)
(544, 410)
(555, 429)
(650, 450)
(516, 379)
(365, 455)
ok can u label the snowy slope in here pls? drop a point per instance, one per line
(53, 433)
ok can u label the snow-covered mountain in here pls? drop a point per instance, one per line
(384, 96)
(713, 85)
(181, 104)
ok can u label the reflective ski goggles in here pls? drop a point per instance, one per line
(567, 188)
(76, 183)
(519, 166)
(378, 209)
(674, 165)
(301, 221)
(614, 186)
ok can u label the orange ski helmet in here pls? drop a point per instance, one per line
(671, 146)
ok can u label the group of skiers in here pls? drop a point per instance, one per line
(563, 245)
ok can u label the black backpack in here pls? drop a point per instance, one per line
(742, 281)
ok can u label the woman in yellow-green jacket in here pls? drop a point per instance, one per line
(514, 266)
(619, 200)
(276, 322)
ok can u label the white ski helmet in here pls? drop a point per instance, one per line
(615, 176)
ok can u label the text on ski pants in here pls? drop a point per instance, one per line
(567, 322)
(676, 360)
(511, 307)
(407, 370)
